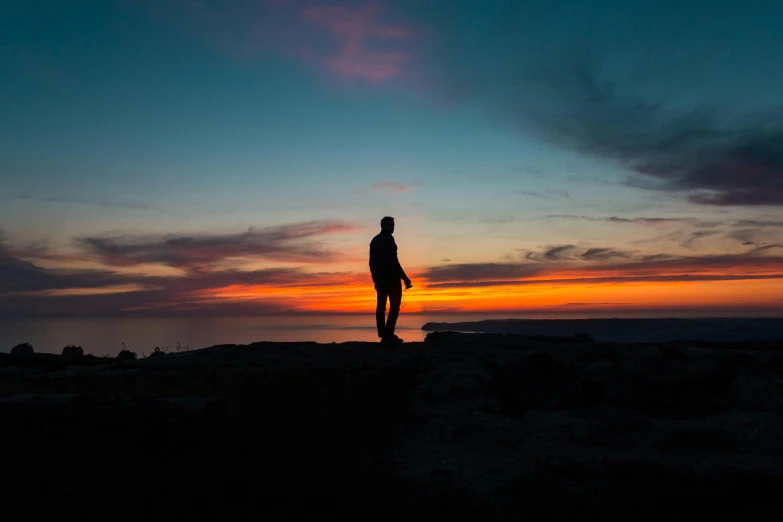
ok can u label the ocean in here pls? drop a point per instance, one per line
(107, 336)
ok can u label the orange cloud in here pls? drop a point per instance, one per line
(555, 279)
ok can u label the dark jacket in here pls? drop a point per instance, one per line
(384, 265)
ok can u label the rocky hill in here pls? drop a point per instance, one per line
(659, 330)
(461, 427)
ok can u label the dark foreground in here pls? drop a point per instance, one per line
(462, 427)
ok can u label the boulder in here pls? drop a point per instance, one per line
(752, 392)
(541, 363)
(462, 384)
(157, 352)
(563, 427)
(72, 354)
(733, 430)
(703, 365)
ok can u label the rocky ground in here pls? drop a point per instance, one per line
(463, 426)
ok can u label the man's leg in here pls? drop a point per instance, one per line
(380, 309)
(395, 297)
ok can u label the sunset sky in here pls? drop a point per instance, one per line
(235, 157)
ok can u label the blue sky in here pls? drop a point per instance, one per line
(490, 130)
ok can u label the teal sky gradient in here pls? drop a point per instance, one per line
(466, 120)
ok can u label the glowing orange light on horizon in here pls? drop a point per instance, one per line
(351, 295)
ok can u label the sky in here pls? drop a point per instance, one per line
(235, 157)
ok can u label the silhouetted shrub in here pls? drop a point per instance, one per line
(126, 355)
(23, 352)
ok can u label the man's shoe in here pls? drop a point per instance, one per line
(391, 339)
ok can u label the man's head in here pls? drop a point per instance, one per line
(387, 224)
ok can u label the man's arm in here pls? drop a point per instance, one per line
(398, 266)
(372, 268)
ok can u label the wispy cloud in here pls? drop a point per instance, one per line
(532, 194)
(689, 231)
(577, 91)
(352, 41)
(17, 273)
(282, 243)
(209, 289)
(391, 187)
(603, 254)
(569, 264)
(98, 202)
(646, 221)
(695, 236)
(574, 281)
(357, 32)
(554, 253)
(575, 253)
(482, 271)
(695, 152)
(548, 194)
(28, 289)
(758, 223)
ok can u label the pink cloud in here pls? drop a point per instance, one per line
(354, 62)
(358, 24)
(358, 32)
(394, 32)
(352, 42)
(306, 53)
(391, 186)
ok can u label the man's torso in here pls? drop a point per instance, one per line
(383, 258)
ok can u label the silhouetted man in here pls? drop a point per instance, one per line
(386, 274)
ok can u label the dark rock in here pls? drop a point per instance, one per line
(540, 363)
(72, 354)
(157, 352)
(603, 368)
(70, 407)
(703, 365)
(620, 488)
(673, 353)
(23, 353)
(594, 392)
(564, 427)
(752, 392)
(466, 427)
(579, 338)
(460, 385)
(600, 352)
(679, 394)
(730, 431)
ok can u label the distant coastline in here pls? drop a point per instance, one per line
(628, 330)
